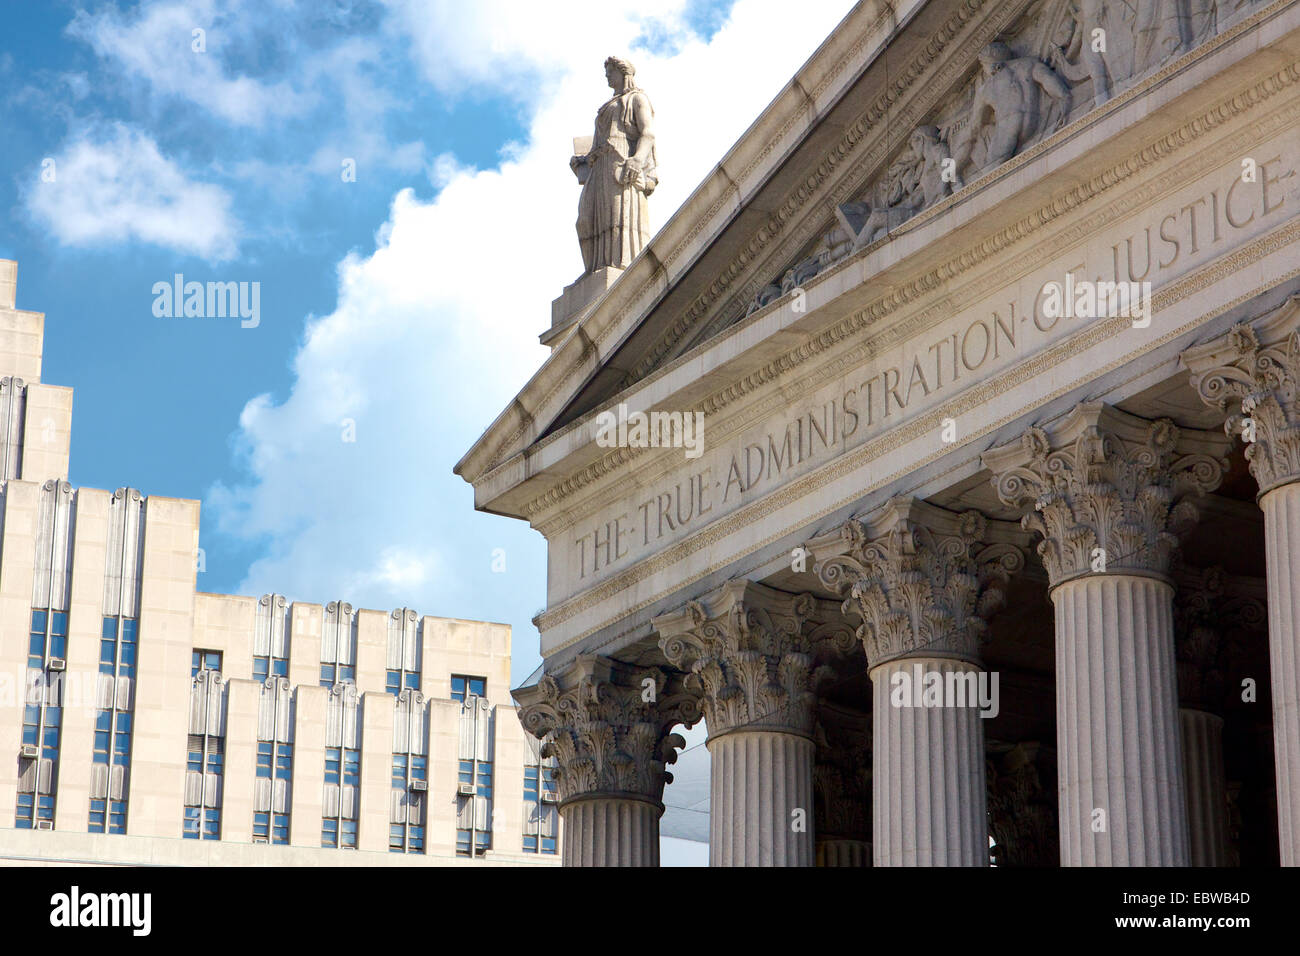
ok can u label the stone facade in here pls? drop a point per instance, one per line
(996, 352)
(136, 712)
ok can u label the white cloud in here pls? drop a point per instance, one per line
(113, 184)
(436, 330)
(157, 45)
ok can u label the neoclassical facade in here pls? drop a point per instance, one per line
(988, 552)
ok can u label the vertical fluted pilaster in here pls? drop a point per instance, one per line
(1122, 801)
(1282, 546)
(1207, 792)
(611, 831)
(841, 853)
(928, 778)
(761, 807)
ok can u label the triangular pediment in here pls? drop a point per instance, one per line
(886, 127)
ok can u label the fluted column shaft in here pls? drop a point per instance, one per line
(1207, 792)
(1120, 764)
(611, 831)
(1281, 508)
(761, 807)
(928, 789)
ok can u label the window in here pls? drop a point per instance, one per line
(283, 761)
(476, 687)
(42, 721)
(541, 816)
(474, 793)
(205, 757)
(273, 766)
(338, 645)
(342, 785)
(399, 680)
(404, 652)
(205, 661)
(111, 746)
(410, 769)
(265, 666)
(271, 827)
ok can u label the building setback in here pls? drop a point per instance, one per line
(988, 528)
(144, 723)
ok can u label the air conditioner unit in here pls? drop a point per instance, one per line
(548, 798)
(465, 789)
(58, 664)
(29, 752)
(45, 824)
(419, 785)
(261, 840)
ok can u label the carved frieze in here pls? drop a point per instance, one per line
(1053, 64)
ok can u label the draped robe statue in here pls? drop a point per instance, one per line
(617, 174)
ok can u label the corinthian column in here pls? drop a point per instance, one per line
(753, 655)
(608, 727)
(924, 582)
(1252, 374)
(1107, 491)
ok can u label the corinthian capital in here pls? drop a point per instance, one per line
(1108, 489)
(923, 580)
(608, 726)
(755, 655)
(1252, 374)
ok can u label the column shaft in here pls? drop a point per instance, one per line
(1207, 792)
(928, 782)
(1282, 546)
(610, 831)
(1122, 798)
(759, 779)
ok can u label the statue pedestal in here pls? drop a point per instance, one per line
(575, 300)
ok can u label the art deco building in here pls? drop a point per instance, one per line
(144, 723)
(992, 319)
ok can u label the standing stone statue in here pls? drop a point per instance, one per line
(617, 173)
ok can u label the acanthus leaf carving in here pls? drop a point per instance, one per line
(1253, 376)
(608, 726)
(754, 656)
(924, 582)
(1107, 491)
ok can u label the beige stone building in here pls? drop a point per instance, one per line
(991, 323)
(144, 723)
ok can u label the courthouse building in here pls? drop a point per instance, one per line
(144, 723)
(992, 322)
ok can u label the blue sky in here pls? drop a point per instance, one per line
(401, 308)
